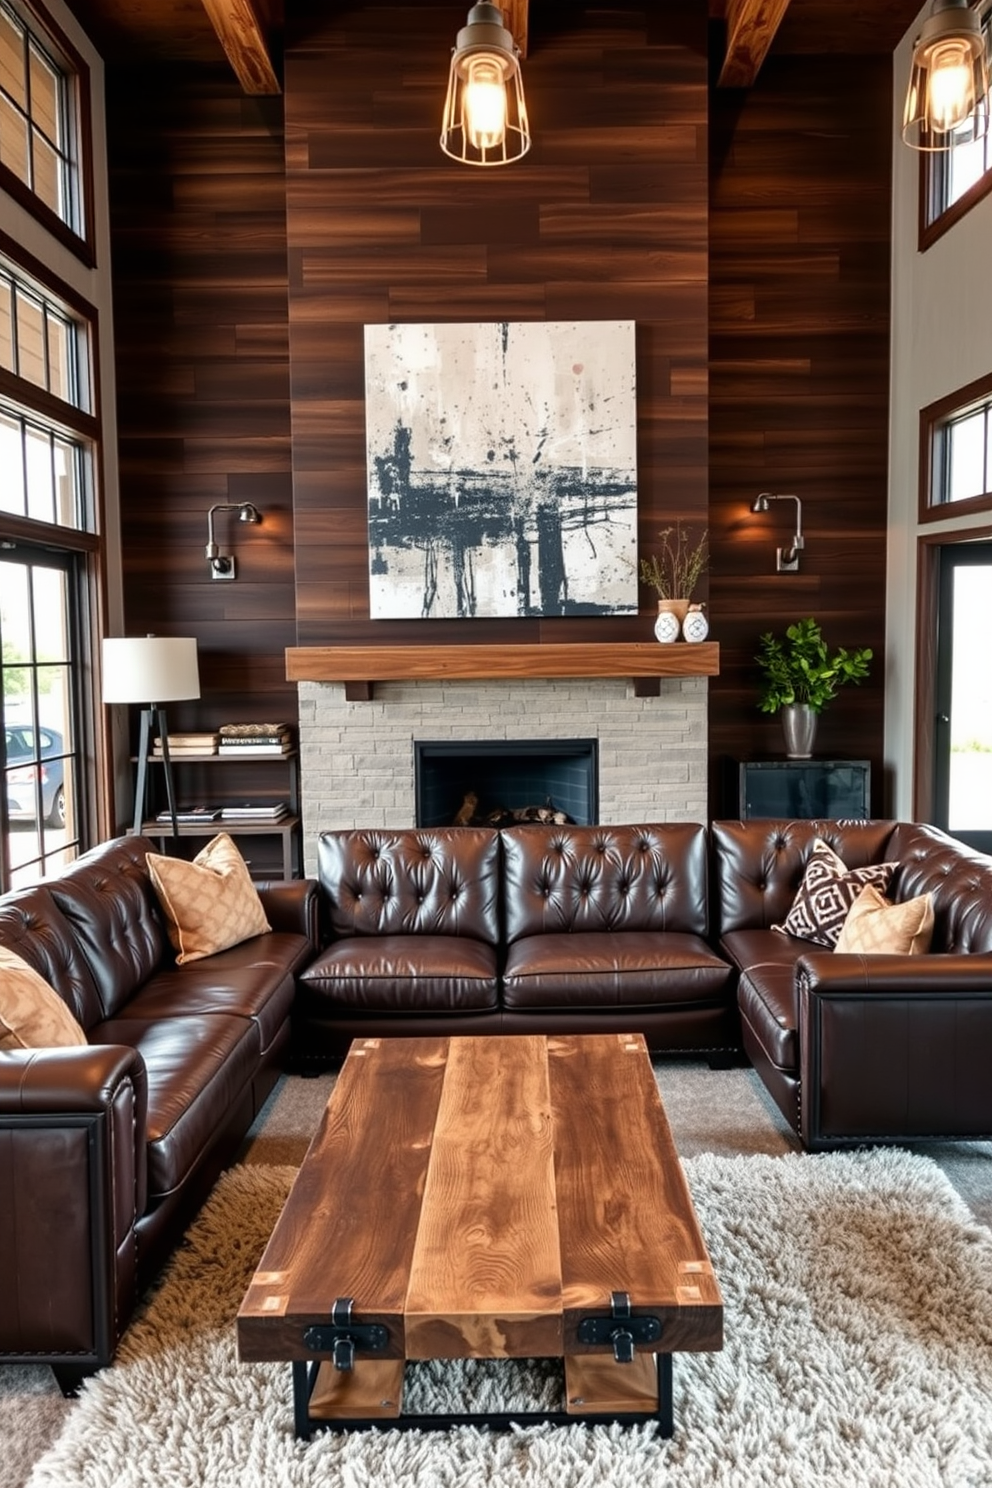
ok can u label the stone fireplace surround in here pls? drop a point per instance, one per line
(357, 765)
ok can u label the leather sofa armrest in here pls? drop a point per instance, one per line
(79, 1079)
(292, 906)
(894, 1048)
(827, 972)
(73, 1173)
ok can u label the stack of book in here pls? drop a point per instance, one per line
(249, 740)
(190, 815)
(255, 811)
(186, 744)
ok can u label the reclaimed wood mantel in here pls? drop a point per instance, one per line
(360, 667)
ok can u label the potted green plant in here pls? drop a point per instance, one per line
(801, 677)
(673, 573)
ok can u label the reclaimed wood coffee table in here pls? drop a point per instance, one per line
(505, 1197)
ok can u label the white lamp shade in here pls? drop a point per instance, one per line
(150, 669)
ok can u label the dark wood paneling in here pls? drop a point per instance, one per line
(606, 219)
(799, 329)
(202, 343)
(786, 266)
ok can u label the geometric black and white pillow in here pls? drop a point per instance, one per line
(827, 891)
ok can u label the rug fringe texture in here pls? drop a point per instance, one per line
(858, 1312)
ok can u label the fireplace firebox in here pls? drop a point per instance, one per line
(504, 776)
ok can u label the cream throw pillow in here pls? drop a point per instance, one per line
(211, 903)
(875, 927)
(32, 1014)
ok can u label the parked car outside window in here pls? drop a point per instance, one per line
(24, 760)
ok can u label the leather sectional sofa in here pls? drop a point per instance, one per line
(862, 1048)
(536, 929)
(107, 1149)
(580, 928)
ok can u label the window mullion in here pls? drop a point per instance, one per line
(15, 343)
(27, 106)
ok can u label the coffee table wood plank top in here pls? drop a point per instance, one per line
(485, 1281)
(349, 1226)
(515, 1196)
(625, 1214)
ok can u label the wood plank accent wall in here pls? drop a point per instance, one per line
(606, 218)
(200, 317)
(799, 337)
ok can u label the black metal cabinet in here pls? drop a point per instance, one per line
(804, 788)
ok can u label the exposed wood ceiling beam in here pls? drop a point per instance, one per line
(515, 21)
(243, 39)
(751, 27)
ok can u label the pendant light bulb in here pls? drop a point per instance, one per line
(952, 94)
(485, 115)
(485, 103)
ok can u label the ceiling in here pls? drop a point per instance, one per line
(245, 30)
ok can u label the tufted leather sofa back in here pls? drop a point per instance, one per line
(604, 878)
(411, 881)
(33, 927)
(959, 879)
(757, 866)
(108, 899)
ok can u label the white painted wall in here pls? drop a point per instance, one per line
(941, 340)
(94, 285)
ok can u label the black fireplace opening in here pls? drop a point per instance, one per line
(468, 782)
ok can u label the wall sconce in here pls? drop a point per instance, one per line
(786, 559)
(947, 101)
(223, 565)
(485, 115)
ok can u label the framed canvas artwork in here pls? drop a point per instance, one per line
(502, 469)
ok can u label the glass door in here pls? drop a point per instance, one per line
(39, 816)
(963, 732)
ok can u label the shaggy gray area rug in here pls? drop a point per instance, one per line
(858, 1295)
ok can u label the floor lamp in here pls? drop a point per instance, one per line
(151, 670)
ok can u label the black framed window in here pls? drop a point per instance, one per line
(40, 746)
(45, 132)
(962, 760)
(42, 341)
(51, 564)
(47, 432)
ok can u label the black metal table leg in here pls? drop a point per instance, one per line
(302, 1385)
(666, 1407)
(305, 1374)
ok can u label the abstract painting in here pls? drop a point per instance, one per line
(502, 469)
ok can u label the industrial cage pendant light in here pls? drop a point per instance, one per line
(947, 102)
(485, 115)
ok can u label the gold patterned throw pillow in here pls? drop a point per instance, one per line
(32, 1014)
(827, 891)
(875, 927)
(211, 903)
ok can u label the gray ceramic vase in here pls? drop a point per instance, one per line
(799, 727)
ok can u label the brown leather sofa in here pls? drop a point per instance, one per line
(106, 1150)
(535, 928)
(855, 1048)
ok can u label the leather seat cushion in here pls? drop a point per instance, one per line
(197, 1069)
(766, 992)
(254, 979)
(609, 969)
(403, 972)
